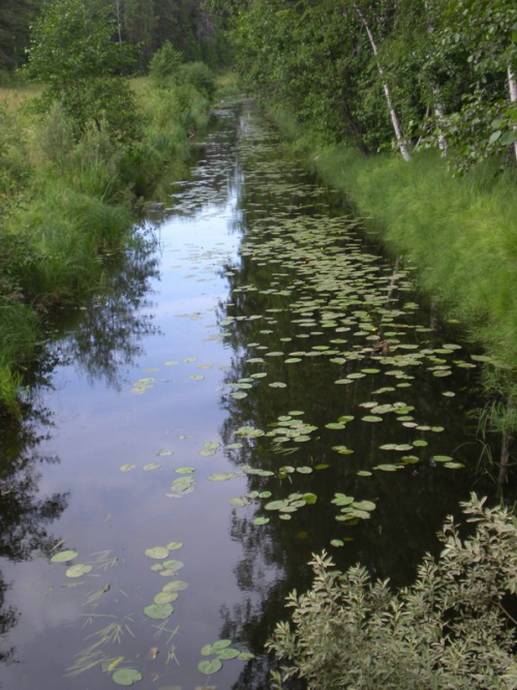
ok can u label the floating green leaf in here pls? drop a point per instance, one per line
(157, 552)
(158, 612)
(64, 556)
(209, 667)
(126, 676)
(165, 597)
(260, 521)
(78, 570)
(175, 586)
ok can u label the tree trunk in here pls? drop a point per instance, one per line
(512, 86)
(439, 112)
(440, 116)
(401, 142)
(119, 22)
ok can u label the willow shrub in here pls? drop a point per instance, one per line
(450, 630)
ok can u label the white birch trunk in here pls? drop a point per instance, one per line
(401, 142)
(119, 25)
(439, 112)
(440, 116)
(512, 86)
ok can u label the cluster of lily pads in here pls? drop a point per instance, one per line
(290, 428)
(351, 509)
(220, 651)
(73, 571)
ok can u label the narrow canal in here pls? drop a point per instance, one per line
(256, 383)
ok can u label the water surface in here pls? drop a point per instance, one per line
(250, 357)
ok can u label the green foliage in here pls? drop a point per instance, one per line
(199, 76)
(13, 160)
(107, 99)
(448, 630)
(73, 54)
(445, 64)
(72, 41)
(165, 63)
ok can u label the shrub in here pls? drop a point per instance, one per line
(449, 630)
(73, 54)
(104, 99)
(165, 63)
(14, 168)
(198, 75)
(55, 136)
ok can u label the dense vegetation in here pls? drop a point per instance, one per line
(431, 74)
(144, 24)
(74, 161)
(450, 629)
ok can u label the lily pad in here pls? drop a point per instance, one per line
(158, 612)
(260, 521)
(228, 653)
(165, 597)
(175, 586)
(174, 545)
(64, 556)
(78, 570)
(208, 667)
(157, 552)
(126, 676)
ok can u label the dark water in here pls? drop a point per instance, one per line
(259, 276)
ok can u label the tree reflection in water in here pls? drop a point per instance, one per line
(101, 337)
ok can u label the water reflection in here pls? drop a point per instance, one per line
(25, 515)
(101, 337)
(105, 337)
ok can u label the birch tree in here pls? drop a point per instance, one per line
(397, 129)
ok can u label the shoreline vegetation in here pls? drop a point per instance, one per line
(69, 202)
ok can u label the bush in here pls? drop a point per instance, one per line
(448, 631)
(198, 75)
(105, 99)
(55, 136)
(165, 63)
(94, 164)
(14, 168)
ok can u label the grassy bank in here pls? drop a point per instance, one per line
(461, 233)
(67, 203)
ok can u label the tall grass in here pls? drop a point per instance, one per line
(461, 232)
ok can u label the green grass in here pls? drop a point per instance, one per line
(461, 232)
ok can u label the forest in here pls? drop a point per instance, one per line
(258, 312)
